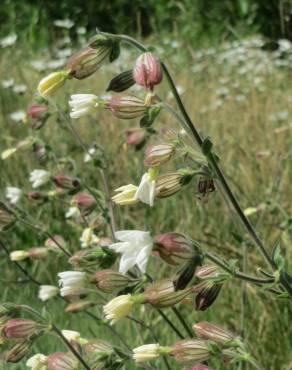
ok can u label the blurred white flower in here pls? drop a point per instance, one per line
(47, 292)
(82, 104)
(13, 194)
(37, 362)
(6, 84)
(146, 352)
(8, 40)
(39, 65)
(88, 156)
(64, 23)
(88, 238)
(71, 335)
(135, 247)
(19, 89)
(81, 30)
(146, 190)
(125, 195)
(72, 283)
(18, 255)
(39, 178)
(72, 212)
(18, 116)
(8, 153)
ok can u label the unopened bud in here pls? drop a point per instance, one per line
(171, 183)
(64, 181)
(55, 242)
(17, 352)
(62, 361)
(158, 155)
(36, 111)
(96, 256)
(135, 137)
(85, 203)
(87, 61)
(127, 106)
(37, 196)
(38, 253)
(190, 351)
(50, 84)
(121, 82)
(20, 329)
(207, 292)
(147, 71)
(109, 281)
(97, 346)
(205, 330)
(78, 306)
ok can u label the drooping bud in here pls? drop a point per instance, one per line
(37, 196)
(126, 106)
(158, 155)
(135, 137)
(85, 203)
(170, 183)
(174, 248)
(162, 294)
(89, 238)
(109, 281)
(64, 181)
(207, 292)
(205, 330)
(36, 111)
(37, 253)
(126, 195)
(50, 84)
(121, 82)
(20, 329)
(78, 306)
(87, 61)
(147, 71)
(101, 41)
(190, 351)
(62, 361)
(17, 352)
(97, 256)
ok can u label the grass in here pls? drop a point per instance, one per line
(254, 143)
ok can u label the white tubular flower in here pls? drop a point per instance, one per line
(146, 190)
(126, 195)
(18, 255)
(146, 352)
(37, 362)
(119, 307)
(13, 194)
(88, 238)
(82, 104)
(135, 247)
(72, 283)
(47, 292)
(39, 178)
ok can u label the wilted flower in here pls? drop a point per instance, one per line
(13, 194)
(205, 330)
(47, 292)
(82, 105)
(127, 106)
(121, 306)
(187, 351)
(157, 155)
(146, 189)
(135, 247)
(148, 352)
(49, 85)
(87, 61)
(20, 328)
(19, 255)
(109, 280)
(126, 195)
(37, 362)
(88, 238)
(147, 71)
(72, 283)
(62, 361)
(39, 178)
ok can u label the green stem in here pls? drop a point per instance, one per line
(182, 321)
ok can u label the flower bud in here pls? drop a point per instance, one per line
(87, 61)
(126, 195)
(135, 137)
(36, 111)
(85, 203)
(127, 106)
(158, 155)
(174, 248)
(121, 306)
(97, 256)
(20, 329)
(64, 181)
(147, 71)
(109, 281)
(168, 184)
(49, 85)
(37, 196)
(121, 82)
(78, 306)
(162, 294)
(38, 253)
(62, 361)
(149, 352)
(205, 330)
(207, 292)
(55, 242)
(190, 351)
(19, 255)
(17, 352)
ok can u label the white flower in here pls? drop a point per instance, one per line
(47, 292)
(72, 283)
(6, 84)
(146, 190)
(19, 89)
(118, 308)
(37, 362)
(8, 153)
(82, 104)
(39, 178)
(146, 352)
(88, 156)
(88, 238)
(126, 195)
(135, 247)
(13, 194)
(71, 335)
(18, 255)
(64, 23)
(8, 40)
(18, 116)
(72, 212)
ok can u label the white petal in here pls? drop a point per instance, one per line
(143, 257)
(127, 261)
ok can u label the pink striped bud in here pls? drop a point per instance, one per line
(20, 329)
(157, 155)
(78, 306)
(190, 351)
(38, 253)
(126, 106)
(85, 202)
(147, 71)
(36, 111)
(109, 281)
(62, 361)
(205, 330)
(64, 181)
(135, 137)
